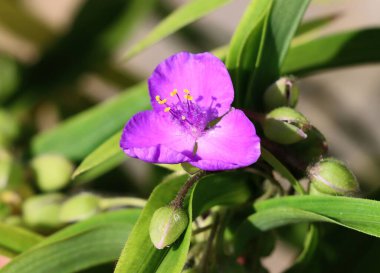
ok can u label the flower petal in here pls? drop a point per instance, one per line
(204, 75)
(152, 137)
(231, 144)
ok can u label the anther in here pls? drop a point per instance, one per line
(188, 97)
(186, 91)
(167, 109)
(173, 93)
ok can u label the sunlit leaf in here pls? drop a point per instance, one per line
(181, 17)
(139, 254)
(339, 50)
(84, 245)
(78, 136)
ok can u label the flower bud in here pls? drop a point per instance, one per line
(79, 207)
(10, 76)
(9, 128)
(331, 176)
(283, 92)
(167, 225)
(53, 172)
(285, 125)
(41, 212)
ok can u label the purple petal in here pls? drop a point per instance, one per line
(154, 138)
(231, 144)
(204, 75)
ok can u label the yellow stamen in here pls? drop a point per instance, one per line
(173, 93)
(183, 117)
(162, 101)
(188, 97)
(186, 91)
(167, 109)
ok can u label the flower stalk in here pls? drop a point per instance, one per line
(178, 200)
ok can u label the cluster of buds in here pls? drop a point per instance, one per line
(286, 126)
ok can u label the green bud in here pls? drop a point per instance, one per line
(331, 176)
(9, 128)
(283, 92)
(53, 172)
(285, 125)
(79, 207)
(13, 220)
(11, 172)
(167, 225)
(5, 168)
(41, 212)
(10, 77)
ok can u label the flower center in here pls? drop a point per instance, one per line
(192, 117)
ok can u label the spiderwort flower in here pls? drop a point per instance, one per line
(192, 119)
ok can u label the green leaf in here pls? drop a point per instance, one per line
(181, 17)
(246, 45)
(96, 241)
(107, 156)
(78, 136)
(139, 254)
(359, 214)
(282, 24)
(314, 24)
(17, 239)
(339, 50)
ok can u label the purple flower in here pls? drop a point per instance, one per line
(192, 119)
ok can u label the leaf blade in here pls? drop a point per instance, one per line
(181, 17)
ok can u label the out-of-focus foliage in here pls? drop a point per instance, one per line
(71, 201)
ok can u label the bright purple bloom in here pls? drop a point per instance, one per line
(192, 119)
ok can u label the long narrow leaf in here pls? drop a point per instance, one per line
(93, 242)
(81, 134)
(333, 51)
(181, 17)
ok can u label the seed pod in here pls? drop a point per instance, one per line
(167, 225)
(284, 92)
(79, 207)
(53, 172)
(41, 212)
(331, 176)
(285, 125)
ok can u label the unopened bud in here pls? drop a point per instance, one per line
(9, 128)
(79, 207)
(42, 211)
(167, 225)
(10, 76)
(331, 176)
(283, 92)
(53, 172)
(285, 125)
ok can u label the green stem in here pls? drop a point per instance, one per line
(178, 200)
(278, 166)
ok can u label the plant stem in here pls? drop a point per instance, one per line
(178, 200)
